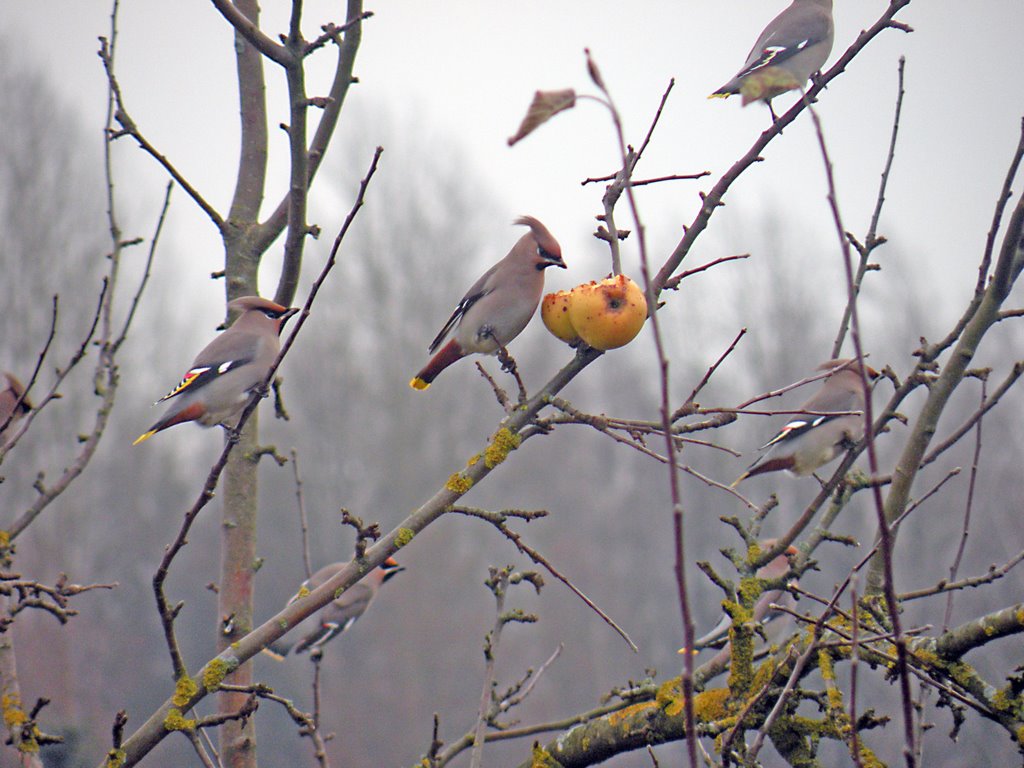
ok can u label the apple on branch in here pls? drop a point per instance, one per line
(554, 311)
(607, 314)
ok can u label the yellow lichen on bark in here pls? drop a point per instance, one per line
(711, 705)
(504, 442)
(185, 689)
(615, 718)
(404, 536)
(175, 721)
(459, 483)
(670, 697)
(214, 674)
(541, 758)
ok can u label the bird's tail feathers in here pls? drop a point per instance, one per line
(776, 464)
(739, 479)
(277, 651)
(190, 413)
(144, 436)
(448, 354)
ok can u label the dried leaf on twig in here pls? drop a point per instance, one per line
(545, 105)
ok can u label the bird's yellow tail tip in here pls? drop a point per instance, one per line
(273, 654)
(144, 437)
(717, 95)
(418, 383)
(739, 480)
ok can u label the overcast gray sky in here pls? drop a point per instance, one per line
(466, 70)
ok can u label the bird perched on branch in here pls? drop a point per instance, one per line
(217, 385)
(13, 406)
(793, 46)
(338, 615)
(499, 305)
(762, 612)
(830, 426)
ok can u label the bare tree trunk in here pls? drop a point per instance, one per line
(20, 730)
(238, 553)
(240, 489)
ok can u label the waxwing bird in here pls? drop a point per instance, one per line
(13, 406)
(762, 612)
(808, 442)
(338, 615)
(793, 46)
(499, 305)
(217, 385)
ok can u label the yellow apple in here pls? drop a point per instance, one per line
(554, 311)
(608, 314)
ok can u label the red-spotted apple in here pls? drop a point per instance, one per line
(609, 313)
(554, 311)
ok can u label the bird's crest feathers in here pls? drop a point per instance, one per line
(245, 303)
(547, 247)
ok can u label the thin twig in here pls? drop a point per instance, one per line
(854, 668)
(497, 519)
(975, 418)
(944, 586)
(130, 128)
(629, 159)
(672, 283)
(954, 569)
(192, 734)
(303, 524)
(498, 584)
(885, 535)
(711, 371)
(997, 216)
(27, 422)
(871, 241)
(147, 270)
